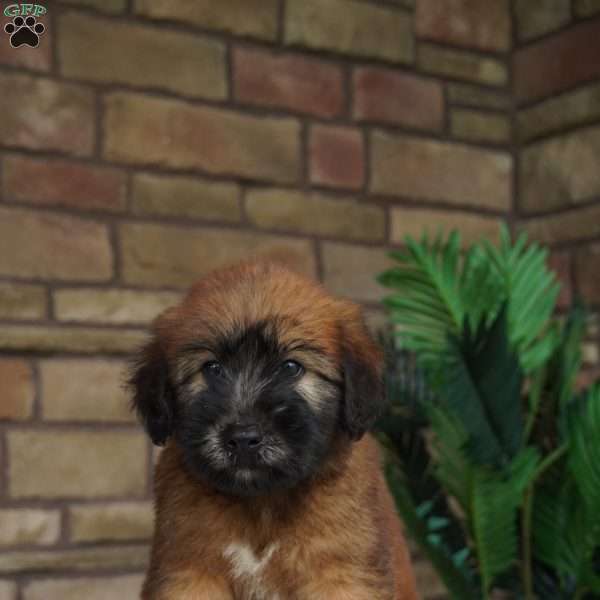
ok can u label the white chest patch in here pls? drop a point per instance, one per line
(249, 567)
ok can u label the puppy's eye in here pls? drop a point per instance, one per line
(291, 368)
(212, 368)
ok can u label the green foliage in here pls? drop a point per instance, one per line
(493, 459)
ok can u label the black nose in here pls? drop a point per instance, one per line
(243, 438)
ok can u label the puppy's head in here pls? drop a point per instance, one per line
(255, 375)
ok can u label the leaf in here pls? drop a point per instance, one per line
(483, 388)
(567, 506)
(457, 579)
(452, 468)
(428, 303)
(531, 290)
(495, 500)
(584, 448)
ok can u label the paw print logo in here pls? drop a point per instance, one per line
(24, 32)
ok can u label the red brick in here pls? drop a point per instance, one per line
(64, 183)
(558, 62)
(587, 267)
(45, 115)
(481, 24)
(38, 59)
(393, 97)
(289, 81)
(336, 156)
(18, 389)
(560, 263)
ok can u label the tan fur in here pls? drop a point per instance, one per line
(334, 537)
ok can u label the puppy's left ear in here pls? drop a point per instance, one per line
(153, 396)
(362, 363)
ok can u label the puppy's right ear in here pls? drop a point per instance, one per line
(153, 396)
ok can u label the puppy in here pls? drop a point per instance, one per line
(262, 386)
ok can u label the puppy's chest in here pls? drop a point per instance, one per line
(254, 573)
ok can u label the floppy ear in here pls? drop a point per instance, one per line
(364, 395)
(153, 396)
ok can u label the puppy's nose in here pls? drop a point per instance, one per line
(243, 438)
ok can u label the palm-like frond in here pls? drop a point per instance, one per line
(480, 324)
(437, 290)
(531, 290)
(452, 467)
(495, 499)
(429, 304)
(482, 388)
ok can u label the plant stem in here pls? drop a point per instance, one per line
(526, 532)
(526, 517)
(549, 461)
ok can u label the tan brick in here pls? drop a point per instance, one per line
(29, 526)
(84, 390)
(315, 213)
(8, 590)
(483, 24)
(567, 110)
(37, 59)
(560, 171)
(586, 377)
(462, 65)
(587, 268)
(82, 340)
(428, 581)
(154, 131)
(537, 17)
(470, 95)
(121, 587)
(114, 521)
(18, 389)
(111, 305)
(557, 62)
(46, 115)
(560, 263)
(22, 301)
(474, 125)
(141, 55)
(57, 247)
(100, 558)
(185, 197)
(290, 81)
(413, 222)
(254, 18)
(62, 463)
(376, 321)
(568, 226)
(364, 30)
(351, 270)
(177, 256)
(590, 354)
(390, 96)
(64, 183)
(336, 156)
(586, 8)
(432, 170)
(107, 6)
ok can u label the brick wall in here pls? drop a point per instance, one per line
(147, 141)
(556, 76)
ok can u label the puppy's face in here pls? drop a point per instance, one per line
(255, 376)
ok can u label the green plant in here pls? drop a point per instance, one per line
(493, 457)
